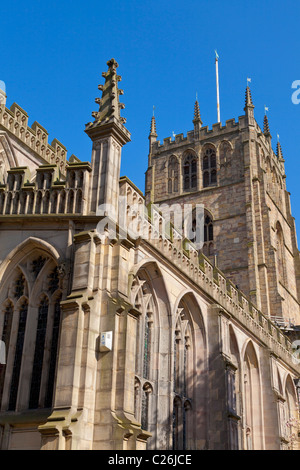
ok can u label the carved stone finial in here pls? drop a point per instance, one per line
(153, 127)
(109, 105)
(248, 98)
(266, 126)
(279, 151)
(197, 117)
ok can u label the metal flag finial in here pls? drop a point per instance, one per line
(217, 86)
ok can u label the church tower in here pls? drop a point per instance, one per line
(249, 231)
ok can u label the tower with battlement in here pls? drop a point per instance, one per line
(249, 230)
(133, 338)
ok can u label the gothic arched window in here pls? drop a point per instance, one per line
(173, 175)
(6, 333)
(14, 385)
(280, 254)
(209, 167)
(190, 172)
(225, 153)
(30, 331)
(182, 364)
(145, 406)
(38, 353)
(208, 245)
(252, 400)
(145, 304)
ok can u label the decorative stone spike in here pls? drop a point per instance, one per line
(249, 108)
(153, 128)
(266, 126)
(279, 151)
(248, 98)
(109, 105)
(197, 117)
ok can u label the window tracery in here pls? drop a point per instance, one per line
(22, 333)
(144, 302)
(173, 168)
(209, 167)
(181, 380)
(37, 265)
(190, 173)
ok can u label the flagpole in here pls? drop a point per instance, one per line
(217, 84)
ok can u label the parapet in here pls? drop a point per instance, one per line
(47, 193)
(151, 226)
(15, 121)
(217, 130)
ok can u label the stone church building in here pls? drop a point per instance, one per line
(117, 331)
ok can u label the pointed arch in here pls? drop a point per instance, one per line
(225, 150)
(209, 165)
(18, 356)
(10, 159)
(53, 202)
(39, 352)
(23, 201)
(78, 203)
(62, 202)
(280, 253)
(291, 397)
(190, 170)
(252, 399)
(70, 207)
(32, 351)
(233, 379)
(151, 331)
(173, 174)
(189, 354)
(22, 250)
(46, 202)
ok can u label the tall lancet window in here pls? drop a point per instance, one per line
(208, 248)
(53, 353)
(38, 354)
(173, 168)
(147, 347)
(280, 254)
(6, 333)
(252, 400)
(181, 381)
(190, 173)
(144, 383)
(14, 386)
(233, 392)
(209, 167)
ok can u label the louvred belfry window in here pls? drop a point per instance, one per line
(209, 167)
(190, 173)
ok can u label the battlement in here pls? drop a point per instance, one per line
(170, 243)
(15, 120)
(47, 194)
(204, 132)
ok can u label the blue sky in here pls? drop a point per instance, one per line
(53, 54)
